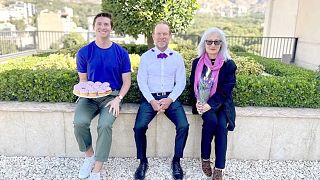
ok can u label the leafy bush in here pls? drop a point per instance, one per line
(276, 92)
(276, 68)
(71, 50)
(135, 60)
(135, 49)
(246, 66)
(53, 61)
(73, 39)
(51, 79)
(131, 48)
(42, 85)
(237, 48)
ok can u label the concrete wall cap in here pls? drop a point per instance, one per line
(129, 108)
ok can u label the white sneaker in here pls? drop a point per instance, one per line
(94, 176)
(86, 167)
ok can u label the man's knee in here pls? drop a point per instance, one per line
(183, 126)
(140, 129)
(105, 125)
(81, 122)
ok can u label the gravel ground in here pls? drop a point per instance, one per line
(43, 168)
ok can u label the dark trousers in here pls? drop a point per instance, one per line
(175, 113)
(214, 124)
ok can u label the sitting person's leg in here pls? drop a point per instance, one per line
(104, 140)
(85, 111)
(144, 117)
(176, 114)
(208, 129)
(220, 145)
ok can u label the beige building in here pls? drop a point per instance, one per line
(52, 27)
(296, 18)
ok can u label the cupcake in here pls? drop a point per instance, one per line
(90, 83)
(76, 89)
(102, 92)
(97, 83)
(108, 90)
(92, 92)
(105, 84)
(84, 92)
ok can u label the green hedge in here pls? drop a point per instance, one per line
(72, 51)
(276, 92)
(289, 86)
(42, 85)
(135, 49)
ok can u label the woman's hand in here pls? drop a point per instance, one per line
(202, 108)
(206, 107)
(199, 107)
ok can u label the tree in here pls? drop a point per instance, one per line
(134, 17)
(20, 24)
(72, 40)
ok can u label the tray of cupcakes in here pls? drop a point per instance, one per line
(91, 89)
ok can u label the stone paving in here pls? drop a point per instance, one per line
(58, 168)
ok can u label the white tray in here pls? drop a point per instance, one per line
(91, 97)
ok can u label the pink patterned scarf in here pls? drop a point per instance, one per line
(215, 68)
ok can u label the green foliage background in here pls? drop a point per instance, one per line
(51, 79)
(232, 26)
(139, 17)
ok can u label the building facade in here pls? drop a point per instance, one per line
(296, 18)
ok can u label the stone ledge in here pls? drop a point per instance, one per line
(129, 108)
(46, 129)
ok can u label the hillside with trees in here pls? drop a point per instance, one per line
(233, 26)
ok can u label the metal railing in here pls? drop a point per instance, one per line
(271, 47)
(18, 41)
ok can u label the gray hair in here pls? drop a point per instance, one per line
(224, 46)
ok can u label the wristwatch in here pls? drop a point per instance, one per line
(120, 97)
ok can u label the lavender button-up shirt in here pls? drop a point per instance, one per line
(161, 74)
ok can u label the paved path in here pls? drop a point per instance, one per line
(54, 168)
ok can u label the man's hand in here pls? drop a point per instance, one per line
(114, 106)
(165, 103)
(155, 105)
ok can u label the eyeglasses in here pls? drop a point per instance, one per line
(217, 43)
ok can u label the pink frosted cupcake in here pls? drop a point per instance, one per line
(90, 83)
(97, 83)
(105, 84)
(108, 90)
(93, 92)
(102, 92)
(76, 88)
(84, 92)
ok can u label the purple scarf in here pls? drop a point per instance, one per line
(215, 68)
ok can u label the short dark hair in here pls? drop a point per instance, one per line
(162, 22)
(103, 14)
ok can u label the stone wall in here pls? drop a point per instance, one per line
(46, 129)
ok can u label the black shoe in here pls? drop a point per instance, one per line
(141, 171)
(177, 172)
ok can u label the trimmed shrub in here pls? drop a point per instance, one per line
(42, 85)
(246, 66)
(135, 49)
(51, 79)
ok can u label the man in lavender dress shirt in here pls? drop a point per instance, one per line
(161, 79)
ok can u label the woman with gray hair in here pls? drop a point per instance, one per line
(213, 77)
